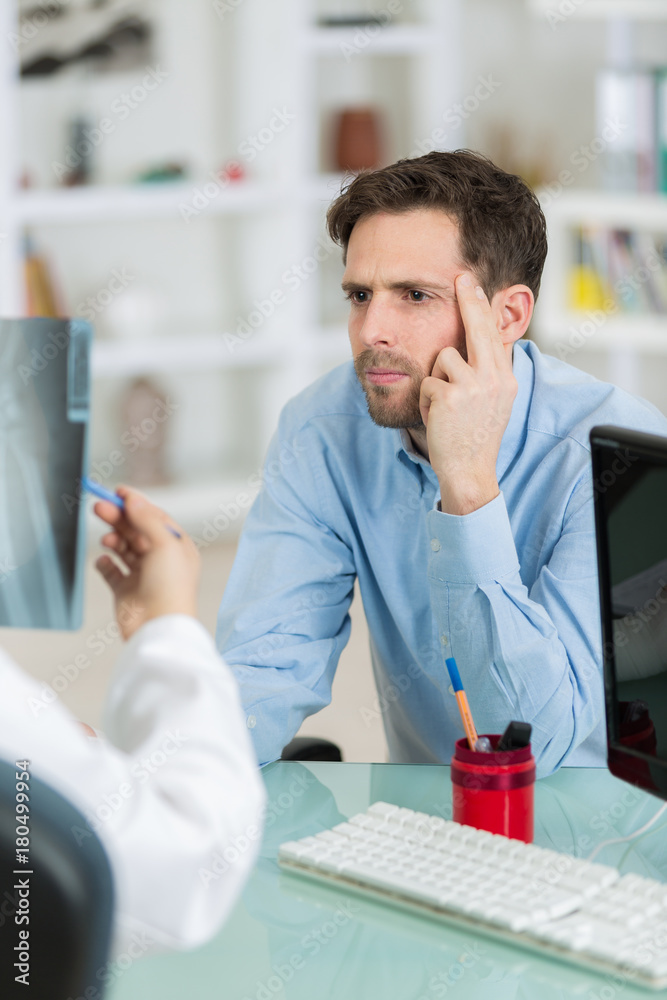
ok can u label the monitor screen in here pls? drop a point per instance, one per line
(44, 408)
(630, 489)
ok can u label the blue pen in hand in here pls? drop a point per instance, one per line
(100, 491)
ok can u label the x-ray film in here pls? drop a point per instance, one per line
(44, 408)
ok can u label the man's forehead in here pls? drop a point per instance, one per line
(406, 249)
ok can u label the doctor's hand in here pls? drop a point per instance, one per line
(466, 406)
(159, 563)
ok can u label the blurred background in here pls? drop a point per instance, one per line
(166, 167)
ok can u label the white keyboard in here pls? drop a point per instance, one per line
(579, 911)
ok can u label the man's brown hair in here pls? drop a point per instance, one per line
(502, 230)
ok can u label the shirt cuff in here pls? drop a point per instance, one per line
(472, 548)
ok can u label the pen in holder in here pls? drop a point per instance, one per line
(494, 791)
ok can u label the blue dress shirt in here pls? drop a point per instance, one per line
(510, 590)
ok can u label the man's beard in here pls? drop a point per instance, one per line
(385, 410)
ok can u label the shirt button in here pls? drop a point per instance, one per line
(444, 640)
(435, 545)
(251, 722)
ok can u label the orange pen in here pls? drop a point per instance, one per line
(462, 702)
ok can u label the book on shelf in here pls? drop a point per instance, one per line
(618, 270)
(43, 297)
(635, 102)
(661, 129)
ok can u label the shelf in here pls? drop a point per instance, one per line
(128, 358)
(646, 211)
(192, 505)
(643, 333)
(101, 203)
(375, 40)
(131, 358)
(645, 10)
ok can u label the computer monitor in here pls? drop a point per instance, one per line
(44, 410)
(630, 491)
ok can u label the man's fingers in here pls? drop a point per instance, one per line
(431, 387)
(483, 342)
(449, 366)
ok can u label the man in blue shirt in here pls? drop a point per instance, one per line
(447, 467)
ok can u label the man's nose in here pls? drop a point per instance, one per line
(379, 328)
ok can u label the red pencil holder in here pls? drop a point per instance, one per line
(494, 791)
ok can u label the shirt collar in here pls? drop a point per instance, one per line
(404, 444)
(515, 432)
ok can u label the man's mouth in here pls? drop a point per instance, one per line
(384, 376)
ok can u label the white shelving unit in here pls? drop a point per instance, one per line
(591, 208)
(649, 10)
(624, 338)
(265, 226)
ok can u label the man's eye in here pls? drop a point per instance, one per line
(417, 296)
(359, 297)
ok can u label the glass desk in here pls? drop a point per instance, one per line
(290, 938)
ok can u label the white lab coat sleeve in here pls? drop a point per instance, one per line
(172, 790)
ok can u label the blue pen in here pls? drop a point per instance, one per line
(100, 491)
(462, 702)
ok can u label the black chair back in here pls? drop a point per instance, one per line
(62, 897)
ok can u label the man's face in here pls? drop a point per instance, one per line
(400, 281)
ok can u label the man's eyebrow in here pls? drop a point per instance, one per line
(423, 283)
(404, 285)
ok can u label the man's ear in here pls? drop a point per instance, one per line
(512, 310)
